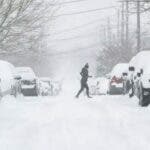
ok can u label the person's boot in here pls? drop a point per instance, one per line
(88, 94)
(77, 96)
(89, 97)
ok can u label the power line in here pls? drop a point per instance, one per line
(135, 1)
(86, 11)
(76, 37)
(79, 27)
(67, 2)
(77, 50)
(81, 36)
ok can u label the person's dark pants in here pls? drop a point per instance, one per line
(84, 85)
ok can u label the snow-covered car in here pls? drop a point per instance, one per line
(98, 86)
(117, 79)
(7, 78)
(45, 86)
(140, 77)
(29, 85)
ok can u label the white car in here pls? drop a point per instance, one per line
(29, 85)
(140, 77)
(116, 79)
(7, 78)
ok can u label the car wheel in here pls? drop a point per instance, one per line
(143, 100)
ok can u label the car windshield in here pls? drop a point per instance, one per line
(28, 82)
(48, 82)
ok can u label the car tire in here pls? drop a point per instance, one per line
(143, 100)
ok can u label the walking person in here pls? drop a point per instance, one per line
(84, 85)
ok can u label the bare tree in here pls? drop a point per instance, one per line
(22, 23)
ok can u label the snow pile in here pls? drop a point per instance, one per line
(103, 85)
(99, 85)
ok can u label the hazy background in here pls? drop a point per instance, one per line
(66, 40)
(78, 35)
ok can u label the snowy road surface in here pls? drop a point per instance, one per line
(65, 123)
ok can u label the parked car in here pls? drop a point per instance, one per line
(8, 79)
(140, 77)
(45, 86)
(117, 79)
(29, 83)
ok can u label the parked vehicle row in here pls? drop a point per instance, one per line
(23, 80)
(139, 74)
(133, 78)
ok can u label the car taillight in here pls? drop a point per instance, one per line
(116, 80)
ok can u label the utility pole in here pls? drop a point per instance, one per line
(127, 23)
(138, 27)
(108, 30)
(105, 34)
(122, 24)
(118, 25)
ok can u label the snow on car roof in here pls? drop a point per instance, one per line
(24, 69)
(119, 69)
(140, 61)
(25, 72)
(45, 78)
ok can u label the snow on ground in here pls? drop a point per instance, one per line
(66, 123)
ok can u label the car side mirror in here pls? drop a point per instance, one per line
(142, 71)
(131, 68)
(124, 74)
(138, 74)
(17, 77)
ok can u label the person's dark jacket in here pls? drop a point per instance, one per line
(85, 74)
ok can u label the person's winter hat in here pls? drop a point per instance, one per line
(87, 65)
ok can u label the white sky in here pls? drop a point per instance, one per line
(69, 22)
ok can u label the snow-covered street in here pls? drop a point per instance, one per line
(66, 123)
